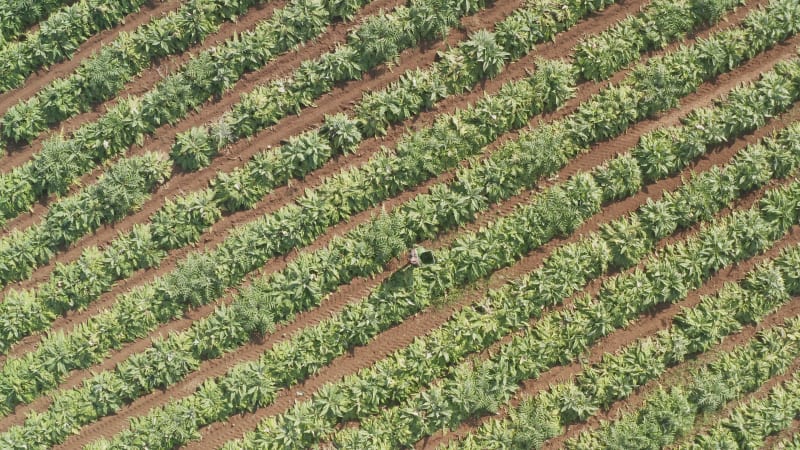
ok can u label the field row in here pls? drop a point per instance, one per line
(570, 194)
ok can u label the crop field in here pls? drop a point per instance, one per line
(208, 207)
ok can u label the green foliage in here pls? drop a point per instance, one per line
(342, 133)
(57, 37)
(483, 50)
(308, 282)
(181, 222)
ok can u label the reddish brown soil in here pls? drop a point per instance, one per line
(706, 423)
(138, 85)
(41, 78)
(162, 140)
(491, 15)
(281, 196)
(653, 191)
(273, 202)
(236, 422)
(646, 326)
(774, 441)
(341, 99)
(279, 263)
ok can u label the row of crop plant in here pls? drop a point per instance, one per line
(566, 271)
(59, 36)
(178, 223)
(693, 331)
(103, 75)
(203, 266)
(214, 71)
(243, 188)
(325, 277)
(17, 15)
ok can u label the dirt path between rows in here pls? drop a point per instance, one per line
(345, 288)
(238, 422)
(647, 325)
(162, 138)
(663, 317)
(44, 76)
(653, 191)
(706, 423)
(774, 441)
(192, 315)
(139, 85)
(272, 202)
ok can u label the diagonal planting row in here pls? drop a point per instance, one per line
(64, 351)
(17, 15)
(483, 58)
(693, 331)
(249, 241)
(241, 189)
(751, 423)
(316, 346)
(507, 309)
(312, 280)
(357, 325)
(104, 74)
(16, 267)
(476, 389)
(29, 311)
(175, 225)
(707, 389)
(234, 184)
(792, 443)
(117, 192)
(213, 72)
(378, 40)
(58, 37)
(20, 254)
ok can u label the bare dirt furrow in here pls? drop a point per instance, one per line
(182, 324)
(340, 99)
(677, 374)
(278, 263)
(532, 261)
(273, 201)
(31, 342)
(606, 151)
(386, 343)
(162, 138)
(649, 324)
(382, 346)
(245, 419)
(773, 442)
(140, 84)
(706, 423)
(92, 45)
(653, 191)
